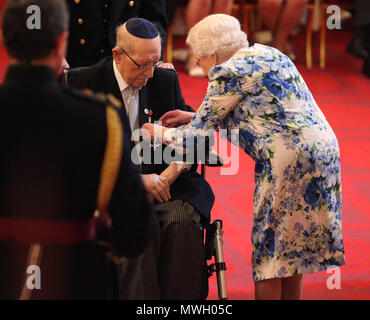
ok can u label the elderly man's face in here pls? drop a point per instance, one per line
(144, 52)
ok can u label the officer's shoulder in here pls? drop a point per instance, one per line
(98, 98)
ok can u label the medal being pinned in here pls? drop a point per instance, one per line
(149, 113)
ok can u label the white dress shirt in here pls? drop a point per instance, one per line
(131, 100)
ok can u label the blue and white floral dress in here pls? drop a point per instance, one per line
(297, 199)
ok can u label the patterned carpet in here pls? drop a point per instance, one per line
(343, 94)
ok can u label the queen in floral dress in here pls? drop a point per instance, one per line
(297, 200)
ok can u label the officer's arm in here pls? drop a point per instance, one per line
(133, 221)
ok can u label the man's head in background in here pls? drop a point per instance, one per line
(137, 51)
(36, 44)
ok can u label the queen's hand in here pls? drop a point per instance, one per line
(175, 118)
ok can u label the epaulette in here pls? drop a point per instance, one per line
(106, 99)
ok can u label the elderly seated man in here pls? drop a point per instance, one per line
(174, 267)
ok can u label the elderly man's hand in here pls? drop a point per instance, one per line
(157, 187)
(151, 131)
(176, 118)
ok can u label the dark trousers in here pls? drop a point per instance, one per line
(174, 265)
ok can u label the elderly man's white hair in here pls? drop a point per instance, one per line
(216, 33)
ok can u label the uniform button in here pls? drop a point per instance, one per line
(106, 5)
(131, 3)
(105, 20)
(82, 41)
(77, 1)
(80, 21)
(102, 50)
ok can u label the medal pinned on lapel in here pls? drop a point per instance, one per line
(149, 113)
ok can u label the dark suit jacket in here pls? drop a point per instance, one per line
(91, 38)
(161, 94)
(52, 146)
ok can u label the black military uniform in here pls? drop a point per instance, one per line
(93, 26)
(52, 146)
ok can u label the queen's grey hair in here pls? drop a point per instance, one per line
(216, 33)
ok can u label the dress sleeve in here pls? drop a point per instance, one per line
(224, 92)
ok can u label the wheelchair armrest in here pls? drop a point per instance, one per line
(213, 159)
(69, 72)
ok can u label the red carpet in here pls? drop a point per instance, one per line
(343, 94)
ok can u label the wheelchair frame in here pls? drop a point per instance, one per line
(213, 239)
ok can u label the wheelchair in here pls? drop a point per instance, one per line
(213, 236)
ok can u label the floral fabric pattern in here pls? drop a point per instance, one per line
(298, 193)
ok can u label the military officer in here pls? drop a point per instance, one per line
(51, 170)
